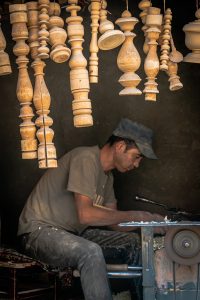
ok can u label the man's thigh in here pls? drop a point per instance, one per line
(57, 247)
(118, 247)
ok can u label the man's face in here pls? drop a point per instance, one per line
(126, 159)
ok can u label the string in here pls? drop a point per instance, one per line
(126, 4)
(54, 6)
(197, 4)
(164, 5)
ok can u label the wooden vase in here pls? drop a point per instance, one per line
(18, 19)
(128, 59)
(79, 78)
(192, 39)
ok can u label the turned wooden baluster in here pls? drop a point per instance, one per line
(109, 38)
(5, 67)
(192, 39)
(128, 59)
(43, 50)
(41, 97)
(174, 81)
(144, 5)
(54, 9)
(57, 35)
(151, 64)
(32, 16)
(93, 60)
(18, 19)
(79, 79)
(166, 35)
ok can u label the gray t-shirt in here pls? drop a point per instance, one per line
(52, 200)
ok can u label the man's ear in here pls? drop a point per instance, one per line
(120, 146)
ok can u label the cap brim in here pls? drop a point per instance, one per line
(146, 150)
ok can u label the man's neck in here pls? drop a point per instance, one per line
(106, 158)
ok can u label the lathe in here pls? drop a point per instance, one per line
(172, 271)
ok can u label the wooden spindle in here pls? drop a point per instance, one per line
(33, 27)
(5, 67)
(93, 60)
(166, 35)
(57, 36)
(192, 39)
(144, 5)
(128, 59)
(110, 38)
(151, 64)
(43, 50)
(18, 19)
(79, 79)
(41, 96)
(174, 81)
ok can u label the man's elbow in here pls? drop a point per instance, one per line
(83, 218)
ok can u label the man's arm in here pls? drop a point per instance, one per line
(104, 216)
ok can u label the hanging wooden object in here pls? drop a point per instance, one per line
(54, 9)
(109, 38)
(93, 60)
(18, 19)
(57, 36)
(41, 96)
(42, 100)
(175, 55)
(5, 67)
(79, 78)
(43, 50)
(144, 5)
(166, 36)
(151, 64)
(32, 17)
(174, 81)
(128, 59)
(192, 39)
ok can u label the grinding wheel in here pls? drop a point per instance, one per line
(183, 245)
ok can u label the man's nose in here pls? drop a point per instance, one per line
(136, 163)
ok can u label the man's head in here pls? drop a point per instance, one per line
(131, 142)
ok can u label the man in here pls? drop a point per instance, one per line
(79, 194)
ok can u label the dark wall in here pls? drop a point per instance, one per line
(175, 118)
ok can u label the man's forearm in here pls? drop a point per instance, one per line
(102, 216)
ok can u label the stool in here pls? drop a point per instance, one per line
(12, 265)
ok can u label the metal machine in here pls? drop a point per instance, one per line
(182, 248)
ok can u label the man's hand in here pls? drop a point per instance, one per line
(146, 216)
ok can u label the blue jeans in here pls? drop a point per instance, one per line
(59, 248)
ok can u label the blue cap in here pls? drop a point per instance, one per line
(140, 134)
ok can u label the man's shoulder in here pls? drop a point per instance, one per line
(91, 152)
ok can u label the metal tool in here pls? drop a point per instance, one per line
(175, 213)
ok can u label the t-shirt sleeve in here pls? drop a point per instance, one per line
(109, 191)
(82, 176)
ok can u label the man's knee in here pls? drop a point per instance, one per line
(93, 252)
